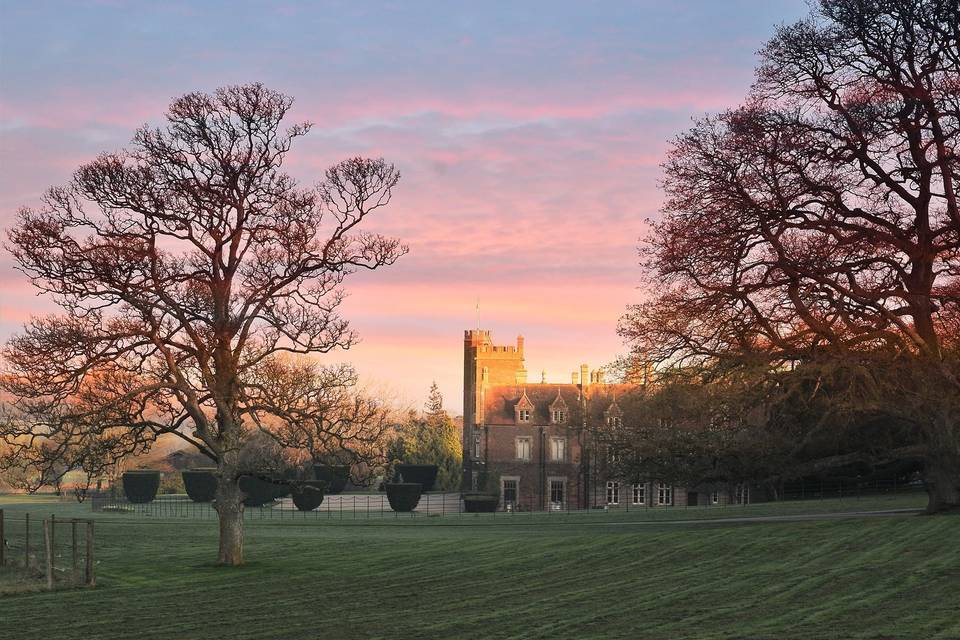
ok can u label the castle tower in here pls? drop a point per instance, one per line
(484, 364)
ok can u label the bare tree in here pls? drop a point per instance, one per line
(184, 266)
(820, 220)
(327, 417)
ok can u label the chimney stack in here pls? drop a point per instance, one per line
(585, 375)
(574, 378)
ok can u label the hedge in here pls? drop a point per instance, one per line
(200, 484)
(424, 474)
(403, 496)
(260, 491)
(335, 475)
(141, 486)
(308, 494)
(480, 503)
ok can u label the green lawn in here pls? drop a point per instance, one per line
(578, 576)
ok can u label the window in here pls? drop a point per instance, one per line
(476, 446)
(715, 497)
(743, 494)
(558, 449)
(614, 421)
(558, 491)
(664, 494)
(639, 494)
(523, 448)
(523, 415)
(509, 490)
(613, 455)
(613, 493)
(559, 415)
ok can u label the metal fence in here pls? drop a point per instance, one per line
(437, 504)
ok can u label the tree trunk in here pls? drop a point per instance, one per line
(943, 484)
(230, 510)
(942, 472)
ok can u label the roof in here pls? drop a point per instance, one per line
(499, 401)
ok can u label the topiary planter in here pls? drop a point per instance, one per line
(335, 475)
(424, 474)
(480, 503)
(308, 495)
(200, 484)
(403, 496)
(141, 486)
(258, 491)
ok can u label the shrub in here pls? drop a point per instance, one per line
(480, 503)
(171, 483)
(201, 484)
(141, 486)
(259, 491)
(335, 475)
(403, 496)
(308, 494)
(423, 474)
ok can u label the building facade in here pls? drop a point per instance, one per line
(533, 442)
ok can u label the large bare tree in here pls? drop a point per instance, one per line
(185, 267)
(820, 222)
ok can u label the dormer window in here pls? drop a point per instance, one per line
(613, 415)
(558, 410)
(523, 409)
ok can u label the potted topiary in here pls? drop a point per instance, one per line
(140, 485)
(335, 475)
(403, 496)
(480, 502)
(424, 474)
(307, 494)
(200, 484)
(259, 491)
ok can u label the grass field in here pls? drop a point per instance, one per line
(578, 576)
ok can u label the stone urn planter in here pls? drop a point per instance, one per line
(480, 503)
(201, 484)
(423, 474)
(403, 496)
(141, 485)
(307, 494)
(335, 475)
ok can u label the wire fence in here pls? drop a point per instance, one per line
(45, 552)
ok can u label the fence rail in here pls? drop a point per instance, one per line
(40, 551)
(376, 505)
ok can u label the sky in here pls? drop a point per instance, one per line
(528, 135)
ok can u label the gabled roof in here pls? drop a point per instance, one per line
(500, 401)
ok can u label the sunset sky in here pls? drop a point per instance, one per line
(528, 134)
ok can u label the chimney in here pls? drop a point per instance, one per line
(585, 375)
(599, 376)
(574, 378)
(520, 345)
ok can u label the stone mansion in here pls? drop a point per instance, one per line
(532, 443)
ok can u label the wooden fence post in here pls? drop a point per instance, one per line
(48, 548)
(91, 578)
(76, 550)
